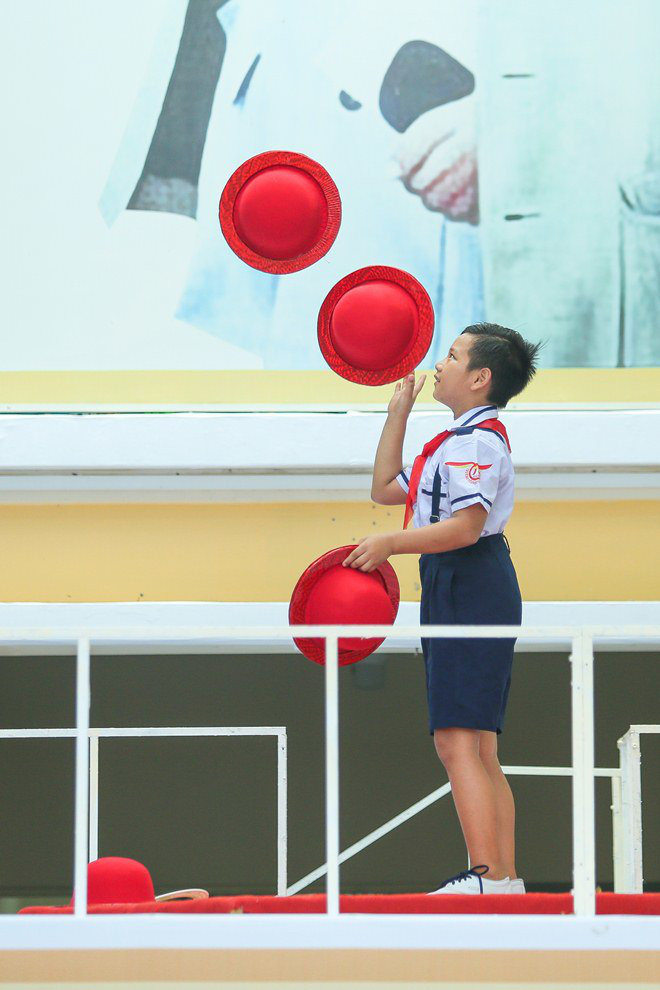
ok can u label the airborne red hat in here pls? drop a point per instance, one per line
(280, 211)
(375, 325)
(326, 592)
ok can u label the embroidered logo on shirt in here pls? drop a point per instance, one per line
(473, 472)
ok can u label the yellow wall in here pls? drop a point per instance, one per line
(568, 550)
(257, 387)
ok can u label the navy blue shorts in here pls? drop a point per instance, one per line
(468, 680)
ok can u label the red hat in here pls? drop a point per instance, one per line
(326, 592)
(116, 880)
(375, 325)
(280, 212)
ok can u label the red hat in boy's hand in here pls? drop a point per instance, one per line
(280, 212)
(328, 593)
(375, 325)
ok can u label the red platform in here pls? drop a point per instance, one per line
(606, 903)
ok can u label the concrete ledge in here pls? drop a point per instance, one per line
(150, 617)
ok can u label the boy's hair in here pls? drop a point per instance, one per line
(509, 356)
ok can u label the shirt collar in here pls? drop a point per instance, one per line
(475, 415)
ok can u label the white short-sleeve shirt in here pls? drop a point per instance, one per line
(474, 467)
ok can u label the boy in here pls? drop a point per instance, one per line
(460, 497)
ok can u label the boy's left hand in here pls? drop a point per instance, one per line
(370, 552)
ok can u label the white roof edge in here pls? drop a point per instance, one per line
(271, 442)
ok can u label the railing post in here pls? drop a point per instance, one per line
(332, 773)
(584, 825)
(617, 836)
(631, 806)
(281, 814)
(81, 816)
(93, 795)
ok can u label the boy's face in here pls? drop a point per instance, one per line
(453, 381)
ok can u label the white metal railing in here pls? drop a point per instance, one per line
(617, 846)
(629, 854)
(580, 638)
(196, 731)
(626, 818)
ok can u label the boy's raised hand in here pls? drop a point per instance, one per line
(405, 393)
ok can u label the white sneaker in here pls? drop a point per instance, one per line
(517, 886)
(473, 882)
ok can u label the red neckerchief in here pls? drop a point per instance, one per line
(430, 448)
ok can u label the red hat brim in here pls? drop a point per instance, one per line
(375, 325)
(280, 211)
(314, 649)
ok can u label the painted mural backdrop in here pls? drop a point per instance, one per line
(507, 155)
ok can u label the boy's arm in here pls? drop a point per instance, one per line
(389, 454)
(461, 530)
(385, 489)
